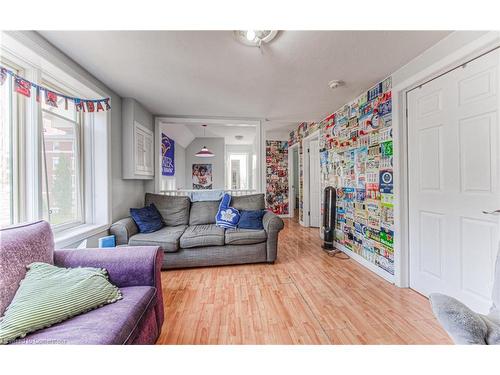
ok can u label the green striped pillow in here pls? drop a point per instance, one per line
(49, 294)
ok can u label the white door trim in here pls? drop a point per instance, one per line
(305, 166)
(291, 177)
(400, 124)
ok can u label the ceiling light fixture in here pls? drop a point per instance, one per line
(335, 83)
(255, 38)
(204, 152)
(250, 35)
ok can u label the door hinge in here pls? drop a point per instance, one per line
(308, 213)
(308, 150)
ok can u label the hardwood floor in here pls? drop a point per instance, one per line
(306, 297)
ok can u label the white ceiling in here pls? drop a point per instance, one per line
(207, 73)
(184, 133)
(228, 132)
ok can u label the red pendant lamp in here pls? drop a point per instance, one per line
(204, 152)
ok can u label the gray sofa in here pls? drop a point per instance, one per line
(191, 238)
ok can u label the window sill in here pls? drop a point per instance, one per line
(70, 236)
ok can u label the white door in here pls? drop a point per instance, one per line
(314, 182)
(453, 164)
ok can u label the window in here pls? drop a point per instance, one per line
(8, 178)
(54, 161)
(61, 163)
(238, 168)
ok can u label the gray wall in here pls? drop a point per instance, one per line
(180, 168)
(216, 145)
(133, 111)
(124, 193)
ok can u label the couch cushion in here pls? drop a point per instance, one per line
(110, 324)
(174, 210)
(251, 219)
(167, 238)
(248, 202)
(20, 246)
(203, 212)
(240, 236)
(148, 219)
(50, 294)
(202, 235)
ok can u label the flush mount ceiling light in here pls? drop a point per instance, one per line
(333, 84)
(204, 152)
(255, 38)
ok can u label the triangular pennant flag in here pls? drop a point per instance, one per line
(90, 106)
(51, 98)
(99, 106)
(38, 94)
(79, 105)
(22, 86)
(3, 75)
(66, 104)
(106, 101)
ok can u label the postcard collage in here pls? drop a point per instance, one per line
(277, 177)
(357, 160)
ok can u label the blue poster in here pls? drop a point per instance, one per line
(167, 156)
(386, 181)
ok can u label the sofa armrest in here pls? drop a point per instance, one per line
(272, 225)
(126, 266)
(123, 229)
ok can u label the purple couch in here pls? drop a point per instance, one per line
(135, 319)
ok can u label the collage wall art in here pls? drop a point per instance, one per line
(277, 177)
(356, 156)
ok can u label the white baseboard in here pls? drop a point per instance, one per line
(372, 267)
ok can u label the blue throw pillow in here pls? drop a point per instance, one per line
(251, 219)
(227, 217)
(148, 219)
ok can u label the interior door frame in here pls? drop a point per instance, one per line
(480, 46)
(305, 165)
(291, 178)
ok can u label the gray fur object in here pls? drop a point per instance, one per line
(464, 325)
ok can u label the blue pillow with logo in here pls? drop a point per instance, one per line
(148, 219)
(227, 217)
(251, 219)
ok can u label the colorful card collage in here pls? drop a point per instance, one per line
(357, 159)
(277, 177)
(356, 156)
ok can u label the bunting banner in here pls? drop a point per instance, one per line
(23, 86)
(3, 75)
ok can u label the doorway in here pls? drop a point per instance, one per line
(293, 181)
(454, 182)
(312, 183)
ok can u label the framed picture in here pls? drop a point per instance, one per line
(202, 176)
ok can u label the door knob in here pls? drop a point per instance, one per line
(496, 212)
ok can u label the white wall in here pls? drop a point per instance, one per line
(216, 145)
(439, 51)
